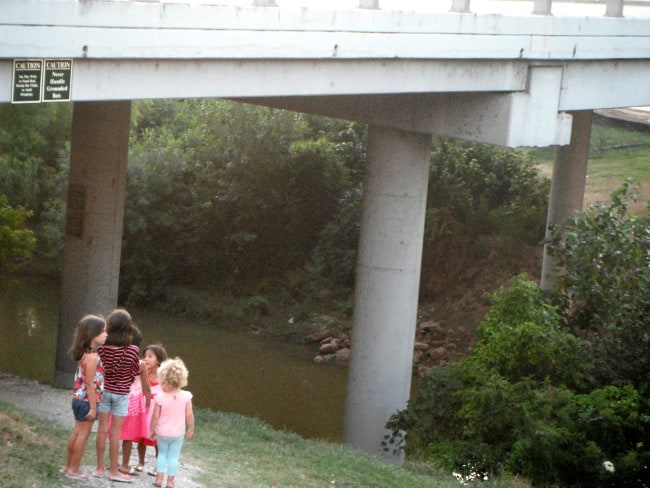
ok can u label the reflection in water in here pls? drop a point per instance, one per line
(31, 322)
(28, 330)
(230, 371)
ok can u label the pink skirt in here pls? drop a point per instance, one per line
(135, 424)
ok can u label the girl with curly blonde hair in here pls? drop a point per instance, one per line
(171, 417)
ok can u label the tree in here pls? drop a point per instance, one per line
(525, 401)
(227, 192)
(34, 158)
(604, 288)
(16, 242)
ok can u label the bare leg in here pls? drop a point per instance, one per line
(126, 456)
(80, 434)
(71, 443)
(100, 442)
(142, 452)
(114, 448)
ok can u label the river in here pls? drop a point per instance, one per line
(230, 370)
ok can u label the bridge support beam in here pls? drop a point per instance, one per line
(388, 276)
(567, 186)
(95, 214)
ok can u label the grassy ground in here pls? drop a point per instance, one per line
(229, 450)
(616, 154)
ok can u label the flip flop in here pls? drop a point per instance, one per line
(119, 479)
(79, 476)
(139, 468)
(96, 474)
(131, 471)
(152, 472)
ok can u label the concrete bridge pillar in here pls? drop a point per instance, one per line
(95, 214)
(567, 186)
(388, 277)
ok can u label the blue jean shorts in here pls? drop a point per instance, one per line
(113, 403)
(80, 409)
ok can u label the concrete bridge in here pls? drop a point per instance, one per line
(512, 73)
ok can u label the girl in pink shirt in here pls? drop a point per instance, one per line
(171, 417)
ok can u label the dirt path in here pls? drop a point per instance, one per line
(53, 404)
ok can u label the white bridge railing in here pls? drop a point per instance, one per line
(608, 8)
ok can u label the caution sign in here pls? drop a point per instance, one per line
(56, 80)
(41, 80)
(28, 78)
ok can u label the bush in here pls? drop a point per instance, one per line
(521, 339)
(605, 284)
(524, 401)
(335, 254)
(475, 192)
(16, 242)
(489, 189)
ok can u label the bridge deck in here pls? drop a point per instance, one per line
(413, 52)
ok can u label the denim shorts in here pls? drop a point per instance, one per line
(80, 409)
(113, 403)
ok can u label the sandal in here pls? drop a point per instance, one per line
(78, 476)
(120, 479)
(139, 468)
(130, 471)
(152, 472)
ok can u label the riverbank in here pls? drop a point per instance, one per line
(227, 451)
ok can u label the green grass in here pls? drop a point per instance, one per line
(230, 451)
(31, 451)
(615, 155)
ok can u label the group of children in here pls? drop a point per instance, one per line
(135, 400)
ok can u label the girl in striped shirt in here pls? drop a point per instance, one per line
(121, 363)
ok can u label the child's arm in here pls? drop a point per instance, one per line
(90, 367)
(154, 421)
(146, 386)
(189, 418)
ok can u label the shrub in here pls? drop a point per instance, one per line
(488, 189)
(524, 401)
(474, 191)
(521, 339)
(16, 242)
(605, 284)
